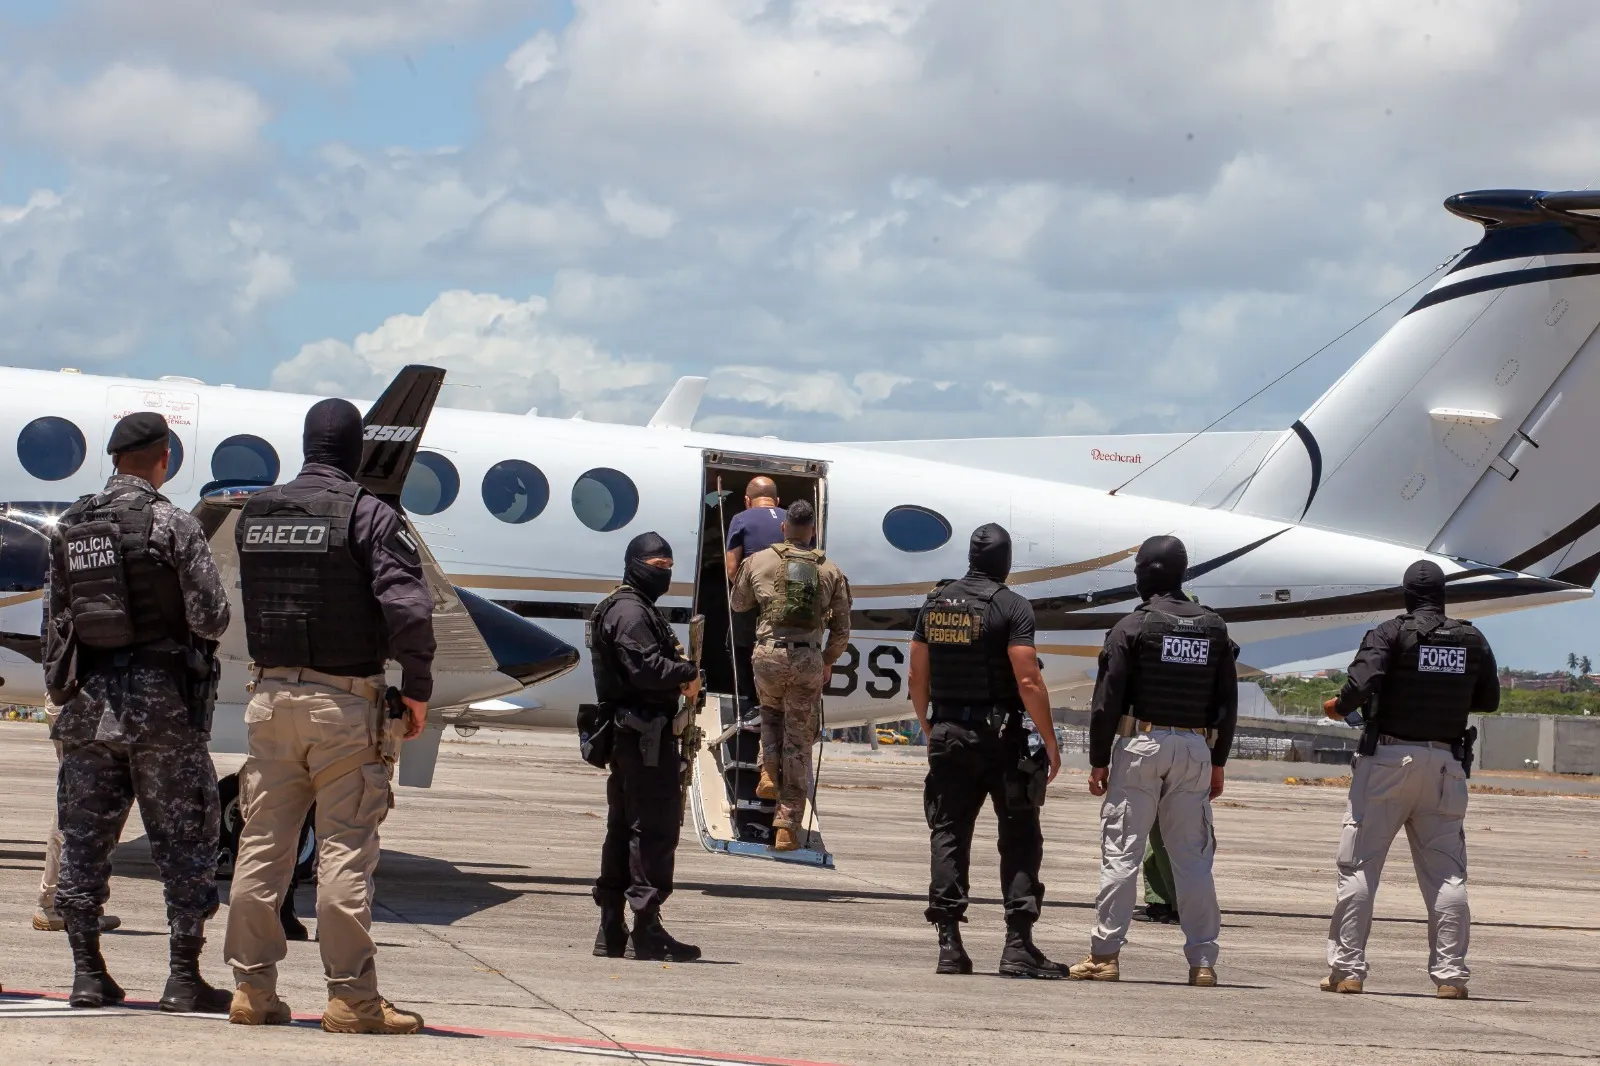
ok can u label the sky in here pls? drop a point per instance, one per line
(860, 218)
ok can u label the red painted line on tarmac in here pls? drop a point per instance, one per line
(504, 1034)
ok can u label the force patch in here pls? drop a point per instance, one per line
(943, 624)
(1432, 659)
(1186, 651)
(286, 535)
(92, 551)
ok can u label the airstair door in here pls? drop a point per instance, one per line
(729, 817)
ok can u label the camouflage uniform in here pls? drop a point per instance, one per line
(127, 735)
(790, 673)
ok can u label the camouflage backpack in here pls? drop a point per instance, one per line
(798, 606)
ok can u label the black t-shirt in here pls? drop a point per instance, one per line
(1009, 616)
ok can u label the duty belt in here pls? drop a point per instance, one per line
(304, 675)
(1128, 725)
(991, 715)
(1442, 745)
(775, 642)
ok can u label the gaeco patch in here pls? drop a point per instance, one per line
(1432, 659)
(1186, 651)
(286, 535)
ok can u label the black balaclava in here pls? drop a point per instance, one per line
(1423, 585)
(652, 581)
(333, 435)
(989, 553)
(1159, 566)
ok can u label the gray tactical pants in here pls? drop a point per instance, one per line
(1424, 790)
(1168, 774)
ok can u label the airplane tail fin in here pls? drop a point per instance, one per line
(1465, 429)
(394, 426)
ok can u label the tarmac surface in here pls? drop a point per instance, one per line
(485, 925)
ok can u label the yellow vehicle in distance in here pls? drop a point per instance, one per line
(886, 736)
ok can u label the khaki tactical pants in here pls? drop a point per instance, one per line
(1425, 790)
(52, 851)
(789, 685)
(1167, 774)
(299, 731)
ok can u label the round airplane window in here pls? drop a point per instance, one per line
(175, 459)
(245, 458)
(432, 484)
(515, 491)
(605, 499)
(51, 448)
(915, 529)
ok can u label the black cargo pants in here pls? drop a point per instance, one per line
(966, 766)
(642, 822)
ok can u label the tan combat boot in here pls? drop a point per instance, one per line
(254, 1006)
(785, 841)
(49, 920)
(1202, 977)
(1452, 992)
(375, 1016)
(1348, 985)
(1097, 968)
(767, 787)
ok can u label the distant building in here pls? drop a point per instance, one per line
(1546, 682)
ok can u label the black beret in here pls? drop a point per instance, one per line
(138, 430)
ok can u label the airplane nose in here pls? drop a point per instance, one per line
(521, 649)
(24, 555)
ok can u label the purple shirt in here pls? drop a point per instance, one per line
(755, 529)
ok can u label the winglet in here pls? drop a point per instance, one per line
(677, 411)
(394, 428)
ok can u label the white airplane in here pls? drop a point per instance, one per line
(1461, 435)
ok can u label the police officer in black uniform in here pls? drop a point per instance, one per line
(133, 606)
(1421, 674)
(1165, 701)
(639, 673)
(974, 680)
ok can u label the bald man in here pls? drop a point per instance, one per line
(758, 527)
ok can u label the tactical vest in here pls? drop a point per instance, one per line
(966, 667)
(611, 686)
(1176, 668)
(307, 602)
(122, 594)
(798, 608)
(1427, 690)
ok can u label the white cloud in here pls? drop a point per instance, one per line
(316, 35)
(503, 350)
(148, 115)
(638, 217)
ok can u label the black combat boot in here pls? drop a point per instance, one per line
(611, 942)
(652, 943)
(1022, 959)
(186, 991)
(953, 957)
(91, 985)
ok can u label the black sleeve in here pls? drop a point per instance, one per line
(650, 663)
(381, 543)
(1111, 689)
(1017, 616)
(1225, 704)
(1486, 694)
(1368, 667)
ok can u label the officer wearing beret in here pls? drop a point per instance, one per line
(133, 605)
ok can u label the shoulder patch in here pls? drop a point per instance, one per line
(403, 544)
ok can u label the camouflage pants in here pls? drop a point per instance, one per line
(177, 792)
(789, 685)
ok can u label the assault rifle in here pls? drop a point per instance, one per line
(686, 726)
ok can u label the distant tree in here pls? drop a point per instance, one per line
(1572, 662)
(1584, 666)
